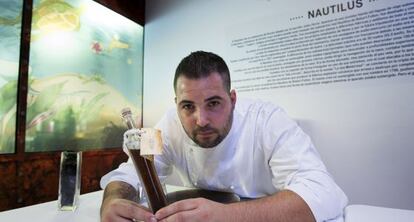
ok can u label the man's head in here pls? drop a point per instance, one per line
(201, 64)
(204, 100)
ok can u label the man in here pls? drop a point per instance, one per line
(250, 148)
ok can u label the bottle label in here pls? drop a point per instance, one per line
(151, 142)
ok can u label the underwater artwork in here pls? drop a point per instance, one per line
(10, 29)
(85, 66)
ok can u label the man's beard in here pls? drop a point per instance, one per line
(216, 132)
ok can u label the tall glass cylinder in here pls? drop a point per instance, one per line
(69, 180)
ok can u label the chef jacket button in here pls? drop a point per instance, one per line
(195, 183)
(232, 187)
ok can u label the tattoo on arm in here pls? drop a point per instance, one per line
(118, 190)
(121, 190)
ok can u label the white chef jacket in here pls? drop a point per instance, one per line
(264, 152)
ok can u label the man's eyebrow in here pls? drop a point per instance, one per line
(213, 98)
(185, 102)
(206, 100)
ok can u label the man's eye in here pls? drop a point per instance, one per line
(213, 104)
(187, 107)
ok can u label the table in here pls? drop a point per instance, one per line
(89, 205)
(364, 213)
(87, 211)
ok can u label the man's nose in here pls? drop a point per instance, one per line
(201, 118)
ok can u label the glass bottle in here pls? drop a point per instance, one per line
(146, 170)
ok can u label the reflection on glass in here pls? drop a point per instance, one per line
(86, 65)
(10, 28)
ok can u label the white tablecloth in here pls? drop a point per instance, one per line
(89, 205)
(87, 211)
(366, 213)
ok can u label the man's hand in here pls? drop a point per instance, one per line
(125, 210)
(282, 206)
(119, 205)
(194, 210)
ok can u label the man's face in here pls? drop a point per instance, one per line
(205, 109)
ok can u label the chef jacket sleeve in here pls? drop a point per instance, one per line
(297, 166)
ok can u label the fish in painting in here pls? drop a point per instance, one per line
(97, 47)
(40, 118)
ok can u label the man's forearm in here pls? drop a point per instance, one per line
(120, 190)
(283, 206)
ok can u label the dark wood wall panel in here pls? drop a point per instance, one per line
(8, 184)
(97, 164)
(40, 179)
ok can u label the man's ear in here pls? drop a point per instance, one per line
(233, 97)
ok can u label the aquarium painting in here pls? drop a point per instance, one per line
(10, 29)
(86, 65)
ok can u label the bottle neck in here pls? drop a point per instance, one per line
(130, 122)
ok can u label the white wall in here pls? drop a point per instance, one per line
(364, 130)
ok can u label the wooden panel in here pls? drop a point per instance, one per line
(40, 179)
(96, 164)
(8, 185)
